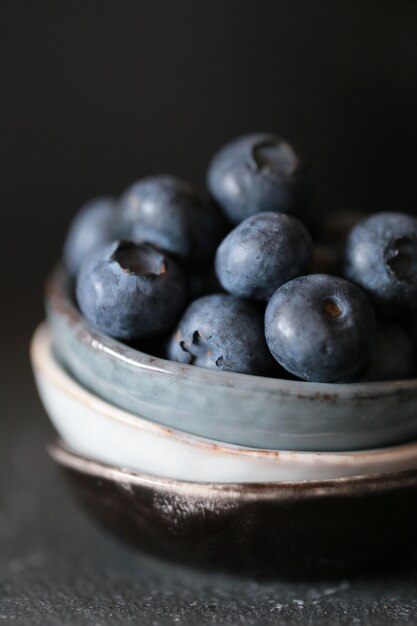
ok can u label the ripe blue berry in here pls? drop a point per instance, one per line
(168, 212)
(255, 173)
(261, 253)
(130, 291)
(96, 223)
(320, 328)
(222, 333)
(381, 257)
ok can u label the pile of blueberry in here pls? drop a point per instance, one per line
(234, 282)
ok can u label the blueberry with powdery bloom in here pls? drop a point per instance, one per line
(169, 213)
(320, 328)
(96, 223)
(131, 291)
(256, 173)
(381, 257)
(260, 254)
(223, 333)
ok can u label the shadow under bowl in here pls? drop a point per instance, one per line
(244, 410)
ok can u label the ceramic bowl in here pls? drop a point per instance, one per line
(296, 528)
(101, 431)
(234, 408)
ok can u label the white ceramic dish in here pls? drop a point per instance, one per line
(102, 432)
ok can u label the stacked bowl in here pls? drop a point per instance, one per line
(227, 470)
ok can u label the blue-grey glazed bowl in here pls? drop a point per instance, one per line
(234, 408)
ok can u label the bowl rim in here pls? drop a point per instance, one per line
(59, 300)
(295, 490)
(45, 362)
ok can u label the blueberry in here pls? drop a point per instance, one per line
(168, 212)
(130, 291)
(96, 223)
(255, 173)
(223, 333)
(260, 254)
(393, 357)
(381, 257)
(320, 328)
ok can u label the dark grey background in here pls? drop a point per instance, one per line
(96, 94)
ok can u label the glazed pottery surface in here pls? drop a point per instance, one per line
(101, 431)
(300, 528)
(235, 408)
